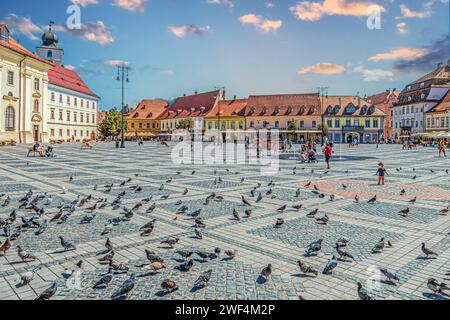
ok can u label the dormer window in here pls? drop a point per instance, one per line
(372, 109)
(330, 109)
(264, 110)
(364, 109)
(350, 108)
(4, 33)
(409, 98)
(422, 96)
(277, 109)
(302, 109)
(422, 85)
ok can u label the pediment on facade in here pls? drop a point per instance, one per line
(36, 95)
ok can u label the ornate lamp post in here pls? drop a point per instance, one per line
(122, 75)
(323, 93)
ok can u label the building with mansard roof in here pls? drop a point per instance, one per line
(416, 99)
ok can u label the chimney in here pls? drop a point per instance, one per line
(359, 101)
(184, 94)
(340, 102)
(440, 65)
(234, 97)
(196, 92)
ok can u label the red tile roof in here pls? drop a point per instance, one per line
(444, 105)
(228, 108)
(69, 79)
(284, 105)
(148, 109)
(192, 106)
(341, 106)
(17, 47)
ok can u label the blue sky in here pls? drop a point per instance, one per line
(248, 46)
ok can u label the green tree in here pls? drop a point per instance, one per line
(292, 126)
(187, 124)
(112, 125)
(324, 129)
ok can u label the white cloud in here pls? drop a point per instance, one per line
(95, 32)
(401, 28)
(226, 3)
(371, 75)
(84, 3)
(264, 25)
(269, 5)
(402, 53)
(131, 5)
(313, 11)
(323, 68)
(22, 25)
(116, 63)
(185, 30)
(408, 13)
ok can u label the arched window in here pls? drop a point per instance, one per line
(10, 119)
(36, 106)
(49, 54)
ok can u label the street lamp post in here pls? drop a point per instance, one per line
(122, 75)
(323, 92)
(219, 115)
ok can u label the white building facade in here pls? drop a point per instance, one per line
(71, 106)
(417, 99)
(23, 90)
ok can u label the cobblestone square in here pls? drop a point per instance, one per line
(409, 210)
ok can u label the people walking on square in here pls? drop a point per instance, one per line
(328, 152)
(381, 172)
(442, 148)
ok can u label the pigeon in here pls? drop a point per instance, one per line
(184, 254)
(314, 247)
(297, 193)
(305, 269)
(279, 223)
(156, 266)
(267, 271)
(372, 200)
(404, 212)
(362, 293)
(198, 233)
(297, 206)
(108, 257)
(151, 208)
(186, 266)
(185, 192)
(435, 287)
(231, 253)
(330, 266)
(427, 251)
(356, 198)
(259, 198)
(414, 200)
(108, 228)
(342, 253)
(148, 225)
(202, 254)
(236, 215)
(402, 192)
(203, 279)
(87, 219)
(308, 184)
(152, 256)
(171, 242)
(323, 220)
(248, 213)
(49, 292)
(445, 211)
(312, 213)
(119, 267)
(24, 255)
(105, 280)
(169, 285)
(126, 287)
(66, 244)
(282, 209)
(108, 245)
(26, 278)
(389, 275)
(379, 247)
(245, 202)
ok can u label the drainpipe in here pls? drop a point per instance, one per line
(20, 97)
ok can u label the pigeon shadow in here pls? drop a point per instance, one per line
(311, 254)
(120, 298)
(163, 293)
(302, 275)
(425, 258)
(20, 285)
(434, 296)
(227, 258)
(261, 280)
(148, 274)
(196, 288)
(388, 282)
(201, 260)
(62, 251)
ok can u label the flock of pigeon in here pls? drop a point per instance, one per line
(37, 217)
